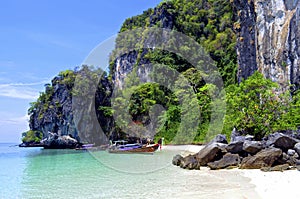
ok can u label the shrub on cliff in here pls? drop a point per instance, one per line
(32, 136)
(256, 107)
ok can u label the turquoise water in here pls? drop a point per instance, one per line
(40, 173)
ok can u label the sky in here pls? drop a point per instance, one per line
(40, 38)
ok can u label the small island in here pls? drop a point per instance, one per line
(190, 99)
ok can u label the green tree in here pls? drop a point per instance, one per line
(32, 136)
(254, 106)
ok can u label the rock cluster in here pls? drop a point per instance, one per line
(276, 152)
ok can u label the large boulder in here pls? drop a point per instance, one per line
(252, 147)
(281, 141)
(227, 160)
(211, 152)
(59, 142)
(235, 147)
(177, 160)
(264, 158)
(190, 162)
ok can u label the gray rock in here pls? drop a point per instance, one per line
(220, 139)
(211, 152)
(252, 147)
(227, 160)
(235, 147)
(264, 158)
(177, 160)
(190, 162)
(281, 141)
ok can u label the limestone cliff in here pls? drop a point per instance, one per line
(53, 112)
(269, 39)
(125, 63)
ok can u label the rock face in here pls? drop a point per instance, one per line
(269, 39)
(264, 158)
(246, 37)
(58, 117)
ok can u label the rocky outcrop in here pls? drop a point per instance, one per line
(269, 39)
(246, 154)
(53, 141)
(53, 113)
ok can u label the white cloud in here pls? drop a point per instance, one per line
(15, 120)
(20, 90)
(12, 126)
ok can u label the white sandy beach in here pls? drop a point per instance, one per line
(250, 183)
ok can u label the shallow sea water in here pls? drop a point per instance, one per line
(40, 173)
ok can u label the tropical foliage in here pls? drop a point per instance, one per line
(257, 106)
(32, 136)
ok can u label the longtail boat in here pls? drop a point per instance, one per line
(134, 148)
